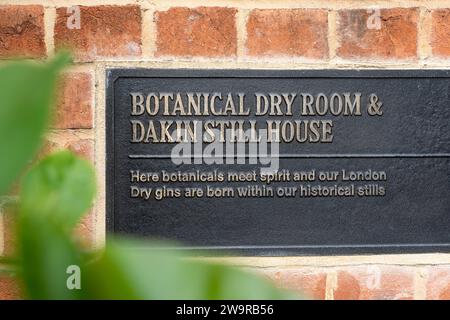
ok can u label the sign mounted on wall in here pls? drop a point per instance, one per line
(280, 162)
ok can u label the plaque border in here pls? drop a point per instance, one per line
(113, 74)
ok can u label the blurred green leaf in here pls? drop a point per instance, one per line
(26, 91)
(133, 270)
(46, 251)
(54, 195)
(61, 188)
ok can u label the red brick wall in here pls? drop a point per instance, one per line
(283, 34)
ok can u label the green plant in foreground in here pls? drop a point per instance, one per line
(56, 192)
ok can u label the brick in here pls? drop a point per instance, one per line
(394, 37)
(9, 240)
(203, 31)
(85, 231)
(438, 283)
(308, 283)
(22, 31)
(105, 31)
(47, 148)
(375, 282)
(440, 32)
(9, 288)
(290, 32)
(84, 147)
(74, 107)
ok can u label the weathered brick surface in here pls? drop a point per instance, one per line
(440, 33)
(22, 31)
(86, 229)
(105, 31)
(74, 107)
(81, 146)
(9, 288)
(291, 32)
(309, 283)
(394, 37)
(375, 282)
(438, 283)
(203, 31)
(8, 218)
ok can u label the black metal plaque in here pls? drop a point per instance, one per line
(359, 160)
